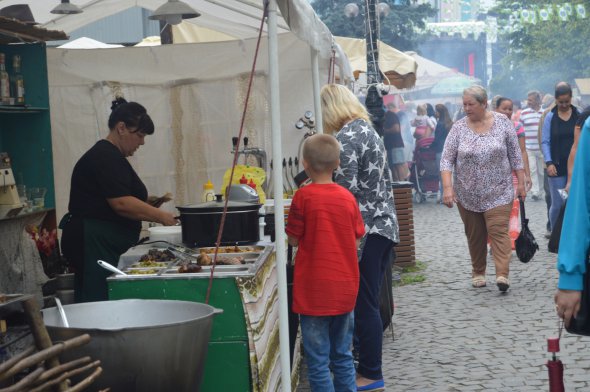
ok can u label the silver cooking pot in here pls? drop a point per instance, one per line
(201, 222)
(143, 345)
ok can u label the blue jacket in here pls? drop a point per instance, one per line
(575, 235)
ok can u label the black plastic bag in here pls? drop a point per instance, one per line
(526, 245)
(581, 324)
(553, 244)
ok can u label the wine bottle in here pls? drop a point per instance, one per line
(4, 81)
(17, 82)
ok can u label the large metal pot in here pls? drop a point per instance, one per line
(200, 223)
(143, 345)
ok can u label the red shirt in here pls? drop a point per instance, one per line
(326, 220)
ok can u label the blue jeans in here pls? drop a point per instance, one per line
(367, 317)
(555, 183)
(327, 342)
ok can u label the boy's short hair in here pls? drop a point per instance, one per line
(321, 152)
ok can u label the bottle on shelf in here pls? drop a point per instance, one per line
(17, 82)
(208, 192)
(244, 180)
(4, 81)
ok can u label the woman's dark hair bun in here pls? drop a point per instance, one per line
(117, 102)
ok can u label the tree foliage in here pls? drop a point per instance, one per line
(541, 54)
(399, 29)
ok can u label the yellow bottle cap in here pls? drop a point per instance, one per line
(208, 185)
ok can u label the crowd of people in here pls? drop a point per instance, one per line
(488, 153)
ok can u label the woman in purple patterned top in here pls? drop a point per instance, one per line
(482, 149)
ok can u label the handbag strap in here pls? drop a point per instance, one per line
(522, 213)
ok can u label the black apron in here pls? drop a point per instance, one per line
(86, 240)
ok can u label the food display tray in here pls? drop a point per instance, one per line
(253, 256)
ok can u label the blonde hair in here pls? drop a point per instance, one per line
(339, 106)
(421, 110)
(321, 152)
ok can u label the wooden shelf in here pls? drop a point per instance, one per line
(21, 109)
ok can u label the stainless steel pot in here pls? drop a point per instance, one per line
(200, 223)
(144, 345)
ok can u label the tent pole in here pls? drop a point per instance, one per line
(315, 76)
(277, 156)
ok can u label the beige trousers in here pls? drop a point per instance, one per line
(480, 225)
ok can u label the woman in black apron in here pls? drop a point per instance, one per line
(108, 202)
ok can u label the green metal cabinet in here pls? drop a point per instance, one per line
(227, 367)
(25, 132)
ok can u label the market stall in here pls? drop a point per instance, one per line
(244, 337)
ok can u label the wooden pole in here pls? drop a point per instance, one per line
(40, 334)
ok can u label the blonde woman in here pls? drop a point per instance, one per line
(364, 171)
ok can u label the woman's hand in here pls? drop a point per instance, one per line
(567, 304)
(551, 170)
(521, 191)
(449, 197)
(167, 219)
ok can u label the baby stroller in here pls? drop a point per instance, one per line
(424, 171)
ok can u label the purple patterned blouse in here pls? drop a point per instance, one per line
(483, 163)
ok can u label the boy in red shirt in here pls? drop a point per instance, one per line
(326, 224)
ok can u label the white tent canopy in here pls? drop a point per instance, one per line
(431, 72)
(88, 43)
(239, 19)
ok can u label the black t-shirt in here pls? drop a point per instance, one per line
(391, 139)
(103, 173)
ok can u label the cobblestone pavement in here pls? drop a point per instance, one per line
(452, 337)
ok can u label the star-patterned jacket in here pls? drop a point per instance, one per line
(364, 172)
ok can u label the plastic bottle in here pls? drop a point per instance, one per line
(208, 192)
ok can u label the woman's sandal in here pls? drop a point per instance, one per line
(503, 283)
(478, 281)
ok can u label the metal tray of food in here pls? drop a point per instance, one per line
(144, 271)
(232, 249)
(151, 264)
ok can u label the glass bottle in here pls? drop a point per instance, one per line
(4, 81)
(17, 82)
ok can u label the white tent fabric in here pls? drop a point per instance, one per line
(194, 93)
(88, 43)
(236, 18)
(430, 72)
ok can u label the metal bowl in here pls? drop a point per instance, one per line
(143, 345)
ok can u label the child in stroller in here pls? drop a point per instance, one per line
(424, 170)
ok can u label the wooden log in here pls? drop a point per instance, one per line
(46, 355)
(87, 381)
(25, 382)
(40, 334)
(4, 366)
(62, 368)
(65, 376)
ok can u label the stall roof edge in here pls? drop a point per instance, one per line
(14, 31)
